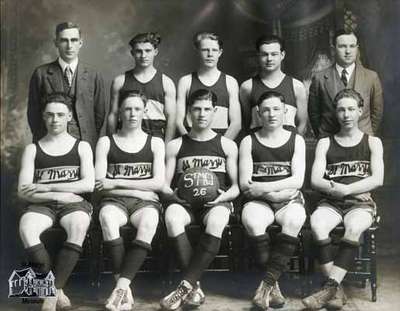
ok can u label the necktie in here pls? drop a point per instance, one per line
(344, 77)
(68, 75)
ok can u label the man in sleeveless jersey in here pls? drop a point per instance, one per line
(271, 170)
(201, 147)
(271, 53)
(347, 166)
(68, 74)
(129, 172)
(159, 89)
(55, 173)
(227, 120)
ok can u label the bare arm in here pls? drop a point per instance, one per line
(169, 107)
(116, 85)
(182, 92)
(244, 93)
(235, 116)
(301, 103)
(170, 160)
(245, 163)
(318, 182)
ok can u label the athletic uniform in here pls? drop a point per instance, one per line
(272, 164)
(154, 120)
(58, 169)
(347, 165)
(258, 88)
(208, 154)
(133, 166)
(220, 122)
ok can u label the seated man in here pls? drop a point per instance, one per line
(200, 148)
(55, 172)
(129, 170)
(347, 166)
(272, 165)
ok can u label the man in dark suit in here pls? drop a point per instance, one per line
(345, 73)
(68, 75)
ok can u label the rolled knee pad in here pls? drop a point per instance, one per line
(325, 251)
(142, 244)
(261, 244)
(346, 254)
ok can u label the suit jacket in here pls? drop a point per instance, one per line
(90, 104)
(325, 86)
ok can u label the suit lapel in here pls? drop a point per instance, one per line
(359, 78)
(331, 84)
(53, 78)
(81, 79)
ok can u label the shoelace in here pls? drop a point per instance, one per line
(180, 291)
(119, 297)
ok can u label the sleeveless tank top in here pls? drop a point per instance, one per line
(348, 164)
(221, 118)
(154, 120)
(54, 169)
(130, 165)
(208, 154)
(258, 88)
(271, 164)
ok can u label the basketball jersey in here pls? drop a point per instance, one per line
(208, 154)
(54, 169)
(347, 165)
(220, 122)
(258, 88)
(271, 164)
(130, 165)
(154, 120)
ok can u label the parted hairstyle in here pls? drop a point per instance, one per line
(206, 35)
(341, 32)
(349, 93)
(270, 94)
(59, 97)
(67, 25)
(202, 94)
(129, 94)
(151, 37)
(268, 39)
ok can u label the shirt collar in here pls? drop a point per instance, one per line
(349, 69)
(64, 64)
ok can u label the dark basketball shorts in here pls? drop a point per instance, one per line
(56, 210)
(344, 206)
(279, 207)
(129, 204)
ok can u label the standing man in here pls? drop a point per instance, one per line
(159, 89)
(227, 120)
(55, 173)
(347, 73)
(129, 170)
(272, 166)
(201, 147)
(347, 166)
(271, 53)
(71, 76)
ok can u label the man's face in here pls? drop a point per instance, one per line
(270, 56)
(348, 112)
(144, 54)
(209, 52)
(56, 117)
(346, 50)
(68, 43)
(202, 113)
(272, 112)
(132, 112)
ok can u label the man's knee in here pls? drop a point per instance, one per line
(318, 224)
(175, 219)
(107, 219)
(353, 231)
(293, 221)
(216, 223)
(76, 225)
(149, 222)
(254, 226)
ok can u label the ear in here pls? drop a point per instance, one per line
(55, 43)
(155, 51)
(283, 53)
(221, 51)
(215, 109)
(69, 117)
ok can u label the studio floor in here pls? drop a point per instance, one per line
(230, 291)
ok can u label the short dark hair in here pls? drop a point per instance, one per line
(202, 94)
(341, 32)
(151, 37)
(270, 94)
(349, 93)
(206, 35)
(128, 94)
(67, 25)
(268, 39)
(59, 97)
